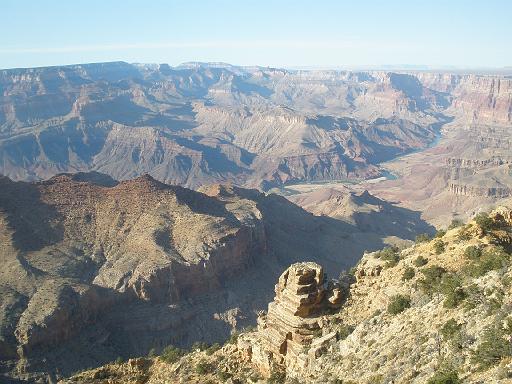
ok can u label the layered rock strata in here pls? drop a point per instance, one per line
(196, 125)
(476, 191)
(294, 319)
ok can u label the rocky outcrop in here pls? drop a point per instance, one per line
(286, 332)
(479, 99)
(476, 163)
(503, 215)
(478, 191)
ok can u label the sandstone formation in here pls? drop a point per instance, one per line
(469, 190)
(476, 163)
(293, 319)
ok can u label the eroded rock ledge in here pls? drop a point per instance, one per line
(479, 191)
(288, 334)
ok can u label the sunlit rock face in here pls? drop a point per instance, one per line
(294, 319)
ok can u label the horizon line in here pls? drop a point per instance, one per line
(349, 67)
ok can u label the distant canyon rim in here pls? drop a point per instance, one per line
(267, 128)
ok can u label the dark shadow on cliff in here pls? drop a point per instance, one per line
(35, 224)
(387, 219)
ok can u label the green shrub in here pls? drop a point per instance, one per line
(434, 272)
(152, 353)
(203, 367)
(451, 287)
(252, 328)
(223, 376)
(494, 304)
(453, 299)
(389, 254)
(440, 233)
(492, 258)
(420, 261)
(255, 377)
(492, 348)
(507, 326)
(277, 376)
(171, 354)
(450, 329)
(198, 345)
(119, 360)
(398, 304)
(455, 223)
(376, 379)
(408, 273)
(464, 234)
(444, 377)
(432, 278)
(422, 238)
(233, 339)
(474, 296)
(437, 279)
(439, 247)
(344, 331)
(472, 252)
(506, 281)
(452, 333)
(484, 221)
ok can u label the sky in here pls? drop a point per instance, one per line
(278, 33)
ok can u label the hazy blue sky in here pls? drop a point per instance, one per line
(277, 33)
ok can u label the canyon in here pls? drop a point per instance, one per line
(93, 269)
(423, 314)
(143, 205)
(446, 136)
(200, 123)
